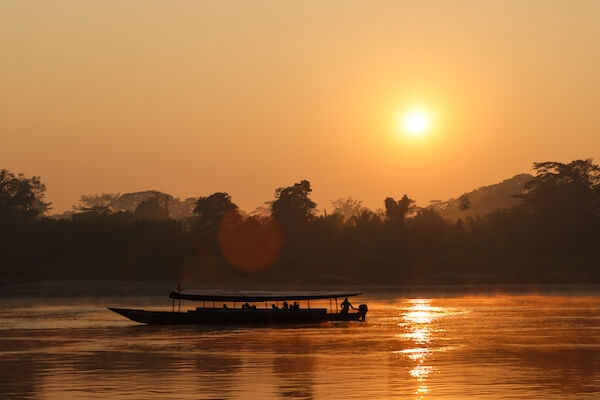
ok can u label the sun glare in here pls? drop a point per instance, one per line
(415, 123)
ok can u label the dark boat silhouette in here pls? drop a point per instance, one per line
(246, 314)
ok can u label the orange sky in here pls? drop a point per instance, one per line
(244, 96)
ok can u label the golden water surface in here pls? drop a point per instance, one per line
(483, 347)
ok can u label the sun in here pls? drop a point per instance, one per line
(415, 123)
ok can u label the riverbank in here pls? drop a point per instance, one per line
(95, 288)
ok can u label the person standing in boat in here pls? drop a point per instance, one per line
(346, 305)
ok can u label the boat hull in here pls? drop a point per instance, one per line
(225, 316)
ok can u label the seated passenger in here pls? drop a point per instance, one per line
(296, 306)
(274, 307)
(285, 305)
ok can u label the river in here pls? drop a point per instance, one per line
(492, 346)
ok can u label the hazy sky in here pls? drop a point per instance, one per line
(244, 96)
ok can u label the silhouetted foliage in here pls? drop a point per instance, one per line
(557, 188)
(155, 208)
(292, 206)
(21, 197)
(129, 202)
(97, 203)
(182, 209)
(397, 211)
(550, 235)
(464, 202)
(211, 210)
(347, 208)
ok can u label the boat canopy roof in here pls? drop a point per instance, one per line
(256, 295)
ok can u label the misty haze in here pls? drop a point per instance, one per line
(290, 200)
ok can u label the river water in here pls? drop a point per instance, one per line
(411, 347)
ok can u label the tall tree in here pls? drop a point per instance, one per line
(397, 211)
(292, 206)
(211, 210)
(21, 196)
(564, 189)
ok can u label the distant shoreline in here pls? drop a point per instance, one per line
(101, 288)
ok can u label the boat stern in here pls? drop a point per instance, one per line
(362, 311)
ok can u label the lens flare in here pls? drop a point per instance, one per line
(250, 244)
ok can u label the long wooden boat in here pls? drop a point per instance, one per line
(223, 308)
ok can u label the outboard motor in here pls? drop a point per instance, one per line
(362, 311)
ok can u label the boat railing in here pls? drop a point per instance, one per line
(230, 297)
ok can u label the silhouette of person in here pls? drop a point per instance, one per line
(285, 305)
(346, 305)
(295, 306)
(274, 307)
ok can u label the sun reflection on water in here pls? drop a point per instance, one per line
(418, 335)
(417, 322)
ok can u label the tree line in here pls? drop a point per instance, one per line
(550, 235)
